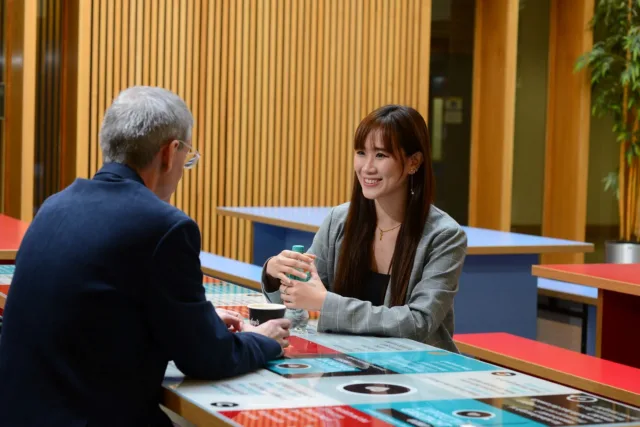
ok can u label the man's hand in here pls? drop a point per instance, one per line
(232, 319)
(278, 329)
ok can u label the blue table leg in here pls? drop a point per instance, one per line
(497, 293)
(592, 321)
(270, 240)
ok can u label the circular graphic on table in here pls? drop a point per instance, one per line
(581, 398)
(293, 366)
(224, 404)
(503, 374)
(476, 415)
(376, 389)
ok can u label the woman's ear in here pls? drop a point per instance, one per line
(415, 160)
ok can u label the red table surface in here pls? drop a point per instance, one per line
(627, 273)
(559, 359)
(11, 232)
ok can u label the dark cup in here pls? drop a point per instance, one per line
(260, 313)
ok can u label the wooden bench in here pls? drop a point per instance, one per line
(249, 275)
(588, 373)
(230, 270)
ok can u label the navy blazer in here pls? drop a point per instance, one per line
(107, 289)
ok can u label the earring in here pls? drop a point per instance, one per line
(412, 172)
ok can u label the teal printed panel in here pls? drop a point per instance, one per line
(310, 366)
(424, 362)
(226, 288)
(444, 413)
(7, 269)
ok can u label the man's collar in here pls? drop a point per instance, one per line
(120, 170)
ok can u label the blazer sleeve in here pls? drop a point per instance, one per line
(186, 325)
(319, 248)
(426, 307)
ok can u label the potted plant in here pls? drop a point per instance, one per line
(614, 63)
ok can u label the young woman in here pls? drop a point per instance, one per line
(388, 262)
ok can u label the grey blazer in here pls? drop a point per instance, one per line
(427, 315)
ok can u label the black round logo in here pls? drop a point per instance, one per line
(224, 404)
(476, 415)
(376, 388)
(293, 366)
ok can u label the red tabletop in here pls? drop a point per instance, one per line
(564, 366)
(11, 233)
(4, 290)
(622, 278)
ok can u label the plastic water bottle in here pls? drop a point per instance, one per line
(299, 317)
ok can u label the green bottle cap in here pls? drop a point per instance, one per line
(298, 248)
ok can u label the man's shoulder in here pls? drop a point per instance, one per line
(163, 215)
(131, 205)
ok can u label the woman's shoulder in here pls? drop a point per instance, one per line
(333, 224)
(339, 213)
(439, 222)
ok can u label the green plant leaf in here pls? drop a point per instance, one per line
(611, 183)
(612, 76)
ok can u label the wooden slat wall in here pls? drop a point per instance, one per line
(48, 118)
(71, 78)
(277, 89)
(20, 108)
(2, 78)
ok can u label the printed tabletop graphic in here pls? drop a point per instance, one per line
(349, 381)
(555, 410)
(6, 274)
(343, 381)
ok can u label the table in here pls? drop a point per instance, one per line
(618, 309)
(337, 380)
(11, 232)
(345, 381)
(6, 274)
(497, 291)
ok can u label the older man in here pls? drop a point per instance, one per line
(108, 288)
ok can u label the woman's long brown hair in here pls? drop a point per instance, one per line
(402, 130)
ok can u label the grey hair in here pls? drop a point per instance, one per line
(139, 121)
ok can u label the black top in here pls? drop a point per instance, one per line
(377, 287)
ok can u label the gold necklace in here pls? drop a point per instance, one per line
(384, 231)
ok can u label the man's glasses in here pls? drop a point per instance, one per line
(192, 156)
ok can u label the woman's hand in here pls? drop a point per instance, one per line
(289, 262)
(304, 295)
